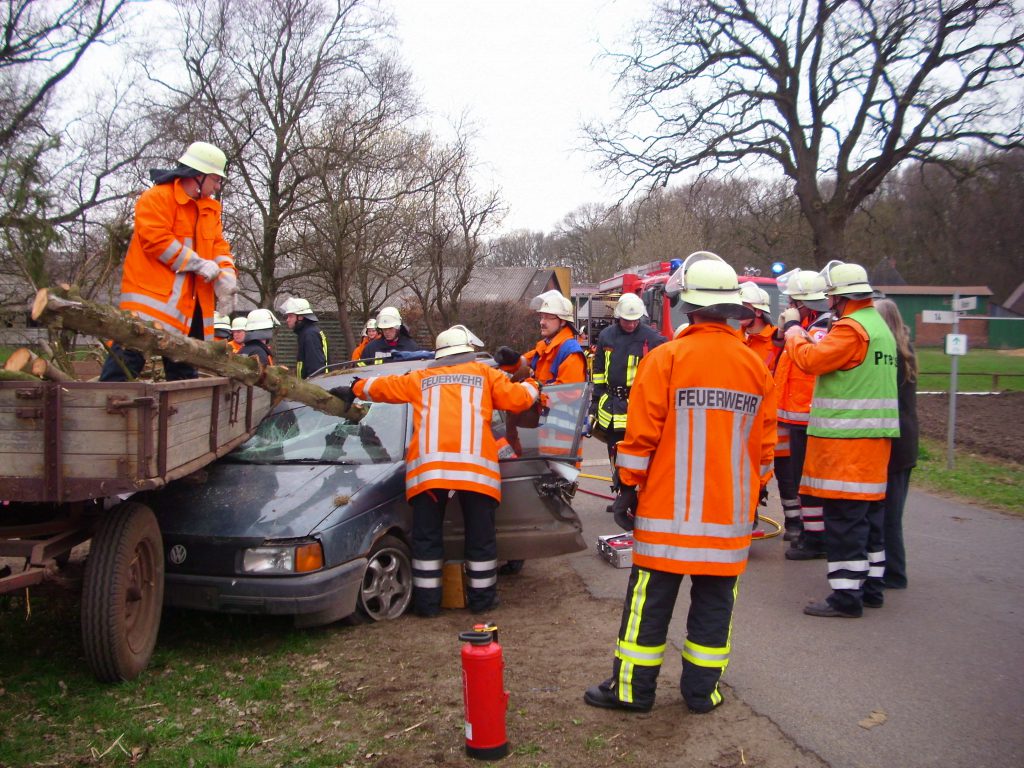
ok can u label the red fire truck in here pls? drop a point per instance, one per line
(648, 282)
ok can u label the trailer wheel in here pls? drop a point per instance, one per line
(123, 593)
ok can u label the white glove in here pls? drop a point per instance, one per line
(226, 289)
(795, 330)
(788, 316)
(206, 269)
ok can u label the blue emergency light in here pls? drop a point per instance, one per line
(674, 264)
(778, 267)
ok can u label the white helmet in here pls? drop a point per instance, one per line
(389, 317)
(204, 158)
(756, 296)
(260, 324)
(705, 280)
(805, 286)
(371, 325)
(553, 303)
(629, 307)
(456, 339)
(297, 306)
(238, 324)
(679, 331)
(842, 279)
(221, 322)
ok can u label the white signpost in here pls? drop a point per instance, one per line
(937, 316)
(956, 343)
(965, 304)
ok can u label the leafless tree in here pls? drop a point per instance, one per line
(453, 216)
(262, 77)
(834, 93)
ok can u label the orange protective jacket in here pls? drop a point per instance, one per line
(235, 346)
(452, 445)
(699, 442)
(357, 353)
(762, 345)
(858, 461)
(171, 229)
(572, 370)
(796, 386)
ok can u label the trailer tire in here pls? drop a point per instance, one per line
(123, 593)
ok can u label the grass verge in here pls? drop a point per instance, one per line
(974, 479)
(980, 370)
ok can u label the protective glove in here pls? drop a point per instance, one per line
(762, 496)
(345, 393)
(206, 269)
(506, 356)
(794, 331)
(789, 315)
(616, 481)
(588, 425)
(226, 290)
(623, 509)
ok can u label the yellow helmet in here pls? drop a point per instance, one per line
(204, 158)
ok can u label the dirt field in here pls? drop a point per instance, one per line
(985, 424)
(558, 640)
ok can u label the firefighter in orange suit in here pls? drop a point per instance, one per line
(452, 448)
(178, 260)
(699, 439)
(854, 416)
(808, 309)
(370, 333)
(758, 330)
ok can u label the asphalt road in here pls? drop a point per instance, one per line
(942, 660)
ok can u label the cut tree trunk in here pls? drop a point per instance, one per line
(65, 308)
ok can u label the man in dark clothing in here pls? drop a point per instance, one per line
(259, 330)
(312, 342)
(394, 337)
(620, 347)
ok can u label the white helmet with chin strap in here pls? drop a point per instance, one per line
(806, 287)
(553, 303)
(755, 296)
(300, 307)
(456, 339)
(842, 279)
(205, 158)
(389, 317)
(705, 281)
(629, 307)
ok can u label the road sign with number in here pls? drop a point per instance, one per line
(966, 304)
(956, 343)
(936, 316)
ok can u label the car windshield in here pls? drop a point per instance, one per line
(299, 434)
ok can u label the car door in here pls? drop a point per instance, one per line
(535, 518)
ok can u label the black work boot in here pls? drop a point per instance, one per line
(809, 546)
(603, 695)
(794, 527)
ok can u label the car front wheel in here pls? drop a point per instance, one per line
(387, 581)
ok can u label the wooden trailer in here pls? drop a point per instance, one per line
(71, 456)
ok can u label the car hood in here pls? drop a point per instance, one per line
(267, 501)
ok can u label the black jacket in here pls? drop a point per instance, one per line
(615, 360)
(381, 348)
(312, 352)
(904, 447)
(258, 349)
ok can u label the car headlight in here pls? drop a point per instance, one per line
(284, 558)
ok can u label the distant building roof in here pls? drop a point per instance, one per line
(935, 290)
(499, 284)
(1015, 303)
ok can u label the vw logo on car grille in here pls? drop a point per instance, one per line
(177, 554)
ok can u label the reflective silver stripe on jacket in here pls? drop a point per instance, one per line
(453, 458)
(799, 416)
(693, 527)
(842, 486)
(872, 422)
(447, 474)
(691, 554)
(628, 461)
(862, 404)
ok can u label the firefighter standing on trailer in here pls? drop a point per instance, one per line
(808, 309)
(854, 416)
(698, 445)
(178, 263)
(620, 348)
(451, 449)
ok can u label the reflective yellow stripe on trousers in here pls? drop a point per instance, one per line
(629, 652)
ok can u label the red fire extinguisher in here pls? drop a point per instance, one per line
(484, 694)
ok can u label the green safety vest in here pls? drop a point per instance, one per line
(862, 401)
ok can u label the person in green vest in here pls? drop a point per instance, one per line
(854, 416)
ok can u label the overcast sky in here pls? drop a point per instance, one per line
(526, 74)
